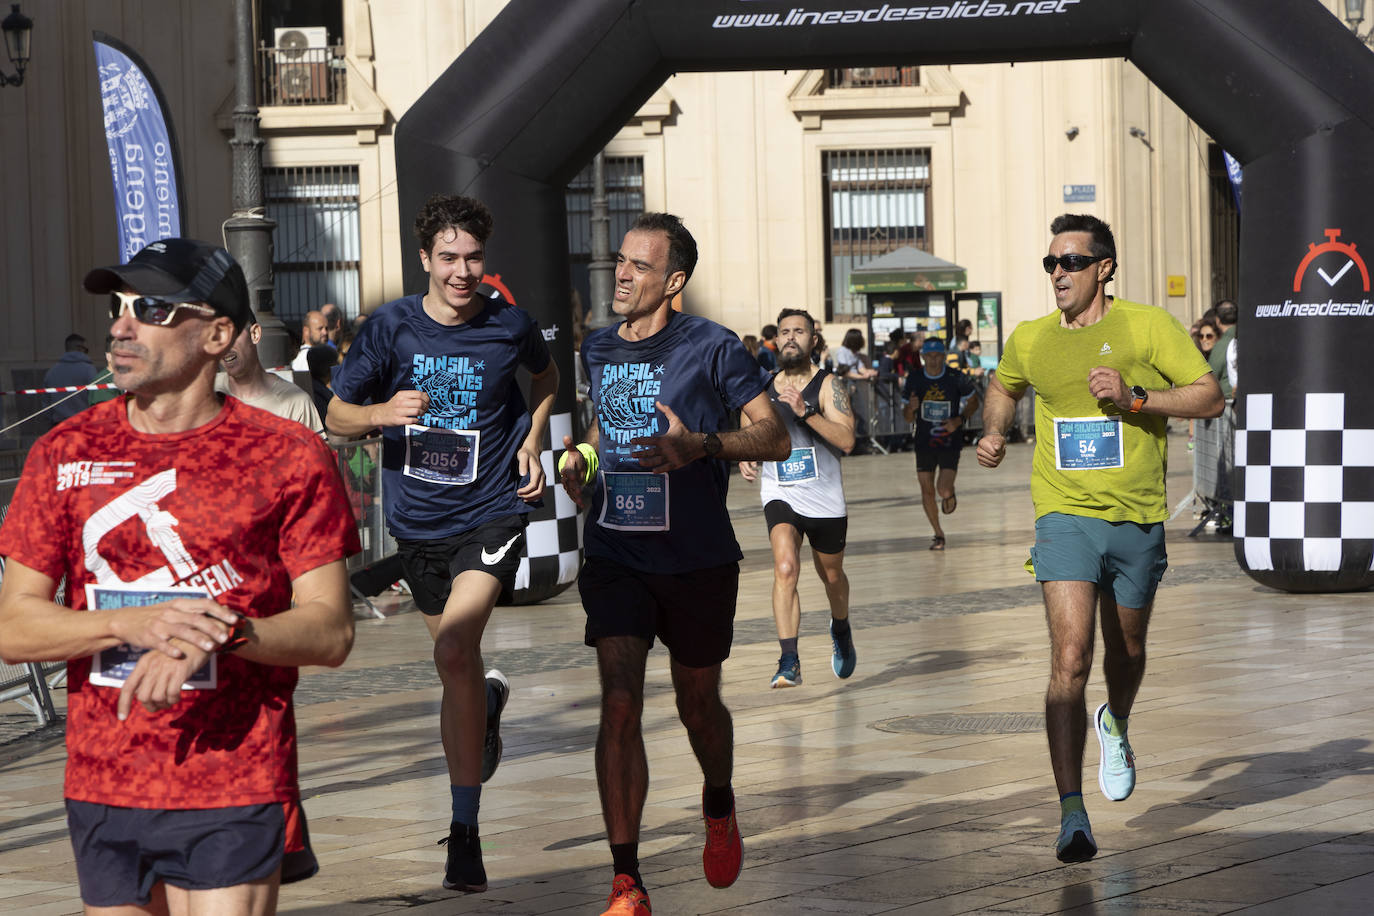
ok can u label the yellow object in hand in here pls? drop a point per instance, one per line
(588, 458)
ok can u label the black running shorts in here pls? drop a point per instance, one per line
(432, 565)
(123, 853)
(692, 612)
(827, 535)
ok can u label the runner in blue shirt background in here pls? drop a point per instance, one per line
(932, 404)
(661, 556)
(460, 460)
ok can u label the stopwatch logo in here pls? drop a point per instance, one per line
(496, 283)
(1343, 257)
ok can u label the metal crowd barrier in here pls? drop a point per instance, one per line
(360, 465)
(28, 683)
(1213, 464)
(878, 421)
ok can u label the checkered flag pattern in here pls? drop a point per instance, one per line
(1304, 484)
(553, 538)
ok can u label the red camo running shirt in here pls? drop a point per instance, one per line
(239, 508)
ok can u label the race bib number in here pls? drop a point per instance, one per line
(935, 411)
(112, 667)
(634, 501)
(800, 466)
(1088, 443)
(442, 456)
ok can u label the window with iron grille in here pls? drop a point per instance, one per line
(316, 244)
(872, 77)
(876, 201)
(624, 200)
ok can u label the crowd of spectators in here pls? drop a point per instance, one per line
(875, 378)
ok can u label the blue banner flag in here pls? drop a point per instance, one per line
(144, 163)
(1233, 173)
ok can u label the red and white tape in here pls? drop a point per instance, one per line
(104, 385)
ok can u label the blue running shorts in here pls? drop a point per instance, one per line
(1124, 558)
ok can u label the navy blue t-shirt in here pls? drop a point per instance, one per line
(702, 372)
(940, 398)
(456, 468)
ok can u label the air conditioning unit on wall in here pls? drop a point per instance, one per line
(302, 64)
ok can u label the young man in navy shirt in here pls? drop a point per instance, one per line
(460, 461)
(933, 395)
(661, 556)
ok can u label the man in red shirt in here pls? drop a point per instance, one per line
(208, 540)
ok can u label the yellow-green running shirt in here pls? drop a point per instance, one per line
(1150, 348)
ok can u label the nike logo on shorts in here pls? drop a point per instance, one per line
(491, 559)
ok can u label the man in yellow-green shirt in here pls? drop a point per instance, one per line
(1107, 373)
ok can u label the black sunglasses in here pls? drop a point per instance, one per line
(150, 309)
(1070, 262)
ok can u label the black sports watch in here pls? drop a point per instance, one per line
(811, 411)
(710, 443)
(1140, 396)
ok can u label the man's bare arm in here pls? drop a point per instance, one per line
(835, 422)
(764, 438)
(543, 390)
(316, 630)
(349, 420)
(35, 628)
(999, 409)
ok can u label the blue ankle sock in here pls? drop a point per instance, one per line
(466, 801)
(789, 646)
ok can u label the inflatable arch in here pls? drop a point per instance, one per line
(1281, 84)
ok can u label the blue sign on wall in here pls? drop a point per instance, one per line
(1080, 193)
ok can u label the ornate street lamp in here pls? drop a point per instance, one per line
(1354, 15)
(18, 30)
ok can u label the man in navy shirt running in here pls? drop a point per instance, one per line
(933, 395)
(460, 462)
(661, 556)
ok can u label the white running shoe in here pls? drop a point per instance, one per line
(1116, 767)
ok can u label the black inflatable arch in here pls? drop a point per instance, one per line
(1281, 84)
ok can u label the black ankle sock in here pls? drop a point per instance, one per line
(717, 802)
(626, 859)
(789, 646)
(839, 627)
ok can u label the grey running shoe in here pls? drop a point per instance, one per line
(491, 743)
(1075, 843)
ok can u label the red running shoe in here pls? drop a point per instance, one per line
(627, 899)
(724, 853)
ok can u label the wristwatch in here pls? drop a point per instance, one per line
(239, 636)
(1141, 396)
(811, 411)
(710, 443)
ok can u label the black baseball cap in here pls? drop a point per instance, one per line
(182, 270)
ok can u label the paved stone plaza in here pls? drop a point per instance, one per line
(920, 786)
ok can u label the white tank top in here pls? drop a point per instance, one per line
(810, 480)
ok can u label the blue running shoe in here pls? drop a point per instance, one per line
(1075, 843)
(789, 672)
(1116, 767)
(843, 658)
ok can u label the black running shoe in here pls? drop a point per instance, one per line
(491, 743)
(464, 871)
